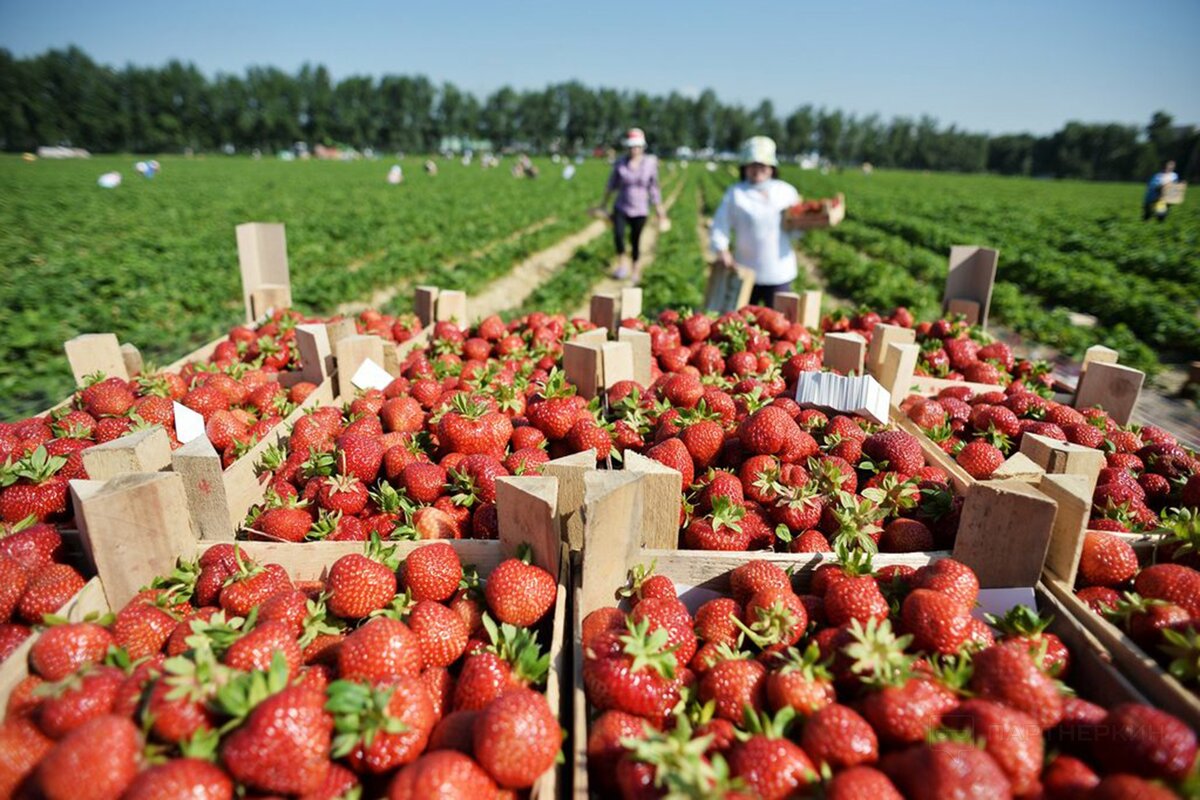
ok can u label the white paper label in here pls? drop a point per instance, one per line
(859, 395)
(188, 424)
(371, 376)
(999, 601)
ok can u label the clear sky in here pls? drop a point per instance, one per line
(985, 65)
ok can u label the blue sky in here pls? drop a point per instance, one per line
(986, 66)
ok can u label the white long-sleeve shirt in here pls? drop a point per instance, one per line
(752, 214)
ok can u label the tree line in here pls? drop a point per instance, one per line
(65, 97)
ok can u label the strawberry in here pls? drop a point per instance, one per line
(82, 697)
(383, 648)
(33, 488)
(1143, 740)
(767, 762)
(469, 427)
(288, 523)
(380, 726)
(13, 579)
(904, 535)
(979, 459)
(703, 440)
(861, 783)
(442, 633)
(360, 584)
(257, 649)
(1123, 787)
(62, 649)
(937, 622)
(250, 586)
(49, 588)
(520, 593)
(109, 397)
(631, 671)
(900, 451)
(947, 769)
(143, 627)
(721, 530)
(32, 544)
(837, 736)
(359, 456)
(444, 774)
(345, 494)
(1011, 737)
(1099, 598)
(22, 746)
(283, 746)
(1173, 583)
(767, 431)
(605, 746)
(855, 595)
(1066, 776)
(423, 482)
(673, 453)
(12, 636)
(1007, 673)
(671, 615)
(733, 685)
(192, 778)
(517, 738)
(98, 760)
(754, 576)
(949, 577)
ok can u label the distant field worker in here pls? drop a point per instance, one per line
(634, 180)
(751, 215)
(1153, 204)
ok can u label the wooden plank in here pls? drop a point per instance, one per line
(199, 466)
(604, 311)
(1018, 467)
(631, 303)
(612, 533)
(810, 309)
(967, 309)
(147, 450)
(788, 304)
(339, 329)
(845, 353)
(583, 364)
(1113, 387)
(133, 359)
(662, 489)
(269, 297)
(616, 362)
(262, 258)
(1098, 354)
(452, 307)
(728, 289)
(640, 342)
(882, 337)
(351, 352)
(90, 353)
(527, 512)
(1064, 457)
(1073, 495)
(896, 372)
(596, 336)
(425, 304)
(134, 527)
(934, 455)
(971, 275)
(316, 354)
(1004, 533)
(569, 471)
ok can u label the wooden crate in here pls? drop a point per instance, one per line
(137, 527)
(832, 213)
(600, 570)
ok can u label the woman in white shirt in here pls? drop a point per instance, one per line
(751, 216)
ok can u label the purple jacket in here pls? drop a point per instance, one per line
(635, 187)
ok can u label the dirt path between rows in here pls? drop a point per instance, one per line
(649, 245)
(385, 294)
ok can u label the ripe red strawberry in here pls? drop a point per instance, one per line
(734, 684)
(288, 523)
(283, 746)
(382, 725)
(770, 764)
(1011, 737)
(800, 682)
(74, 702)
(1067, 776)
(1099, 598)
(383, 648)
(631, 671)
(250, 585)
(520, 593)
(12, 636)
(433, 572)
(767, 431)
(102, 755)
(22, 747)
(107, 398)
(176, 707)
(1142, 740)
(359, 456)
(485, 676)
(906, 536)
(48, 589)
(63, 649)
(937, 622)
(442, 633)
(836, 735)
(517, 738)
(1023, 624)
(674, 454)
(854, 596)
(979, 458)
(900, 450)
(143, 627)
(671, 615)
(424, 482)
(1173, 583)
(13, 579)
(33, 488)
(437, 773)
(359, 584)
(1007, 673)
(703, 440)
(947, 769)
(861, 783)
(949, 577)
(192, 778)
(470, 427)
(605, 748)
(345, 494)
(256, 649)
(32, 544)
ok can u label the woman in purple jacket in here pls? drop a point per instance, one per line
(634, 180)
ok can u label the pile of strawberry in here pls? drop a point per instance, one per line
(871, 686)
(1155, 600)
(35, 581)
(420, 458)
(227, 679)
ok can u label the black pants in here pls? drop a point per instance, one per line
(764, 293)
(1148, 212)
(635, 233)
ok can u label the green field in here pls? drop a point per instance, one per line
(156, 261)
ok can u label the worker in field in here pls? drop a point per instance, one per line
(1153, 202)
(634, 180)
(750, 220)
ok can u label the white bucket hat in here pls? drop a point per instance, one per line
(758, 150)
(634, 137)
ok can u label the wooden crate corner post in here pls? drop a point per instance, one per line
(631, 303)
(569, 471)
(845, 352)
(198, 464)
(316, 352)
(132, 357)
(1113, 387)
(662, 489)
(1004, 533)
(134, 528)
(882, 338)
(604, 311)
(527, 513)
(91, 353)
(147, 450)
(970, 277)
(1057, 457)
(263, 260)
(351, 353)
(583, 363)
(1074, 499)
(788, 304)
(1019, 467)
(452, 306)
(616, 363)
(425, 304)
(612, 534)
(640, 342)
(897, 369)
(810, 309)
